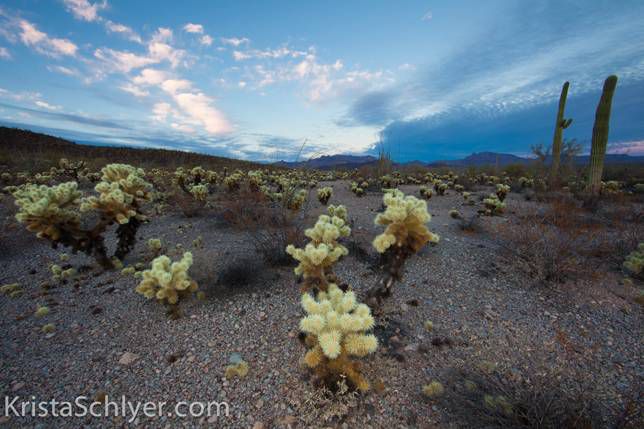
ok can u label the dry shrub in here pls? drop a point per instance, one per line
(270, 226)
(189, 206)
(563, 241)
(478, 399)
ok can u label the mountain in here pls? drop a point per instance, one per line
(329, 162)
(504, 159)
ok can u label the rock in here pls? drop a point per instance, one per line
(235, 358)
(258, 425)
(128, 358)
(17, 387)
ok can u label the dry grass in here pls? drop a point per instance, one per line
(563, 241)
(479, 399)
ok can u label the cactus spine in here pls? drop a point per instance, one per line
(600, 136)
(557, 141)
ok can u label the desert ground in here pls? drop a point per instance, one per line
(577, 341)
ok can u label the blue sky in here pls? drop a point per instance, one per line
(255, 79)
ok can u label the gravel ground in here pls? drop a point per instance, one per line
(109, 340)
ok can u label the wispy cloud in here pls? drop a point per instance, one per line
(193, 28)
(85, 10)
(4, 53)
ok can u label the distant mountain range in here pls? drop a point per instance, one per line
(479, 159)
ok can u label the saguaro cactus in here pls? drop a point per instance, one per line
(560, 125)
(600, 136)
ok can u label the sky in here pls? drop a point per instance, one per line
(273, 80)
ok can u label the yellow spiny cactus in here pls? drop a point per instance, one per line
(336, 325)
(405, 218)
(200, 192)
(338, 211)
(120, 190)
(167, 281)
(47, 211)
(328, 230)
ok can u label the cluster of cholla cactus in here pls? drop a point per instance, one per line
(405, 220)
(502, 191)
(168, 282)
(492, 205)
(54, 212)
(440, 187)
(358, 190)
(195, 182)
(233, 181)
(425, 192)
(634, 263)
(336, 324)
(525, 182)
(324, 194)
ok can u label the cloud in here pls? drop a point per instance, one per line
(122, 61)
(47, 106)
(281, 52)
(4, 53)
(32, 37)
(150, 77)
(70, 117)
(427, 16)
(85, 10)
(68, 71)
(134, 90)
(206, 40)
(235, 41)
(193, 28)
(124, 30)
(627, 148)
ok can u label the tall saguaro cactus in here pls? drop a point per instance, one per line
(600, 136)
(557, 141)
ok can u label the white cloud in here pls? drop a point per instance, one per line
(122, 61)
(134, 90)
(172, 86)
(206, 40)
(124, 30)
(198, 106)
(281, 52)
(31, 36)
(234, 41)
(150, 77)
(242, 84)
(85, 10)
(47, 106)
(160, 111)
(4, 53)
(428, 16)
(193, 28)
(63, 70)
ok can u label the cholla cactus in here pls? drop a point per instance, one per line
(502, 191)
(199, 192)
(336, 326)
(524, 182)
(233, 182)
(318, 257)
(405, 219)
(425, 192)
(357, 190)
(454, 214)
(493, 205)
(338, 211)
(121, 191)
(49, 211)
(440, 187)
(297, 200)
(324, 194)
(168, 281)
(634, 263)
(154, 244)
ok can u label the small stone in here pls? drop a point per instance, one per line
(128, 358)
(258, 425)
(17, 387)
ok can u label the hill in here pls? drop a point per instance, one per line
(27, 150)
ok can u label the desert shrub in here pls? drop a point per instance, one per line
(492, 205)
(634, 263)
(480, 399)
